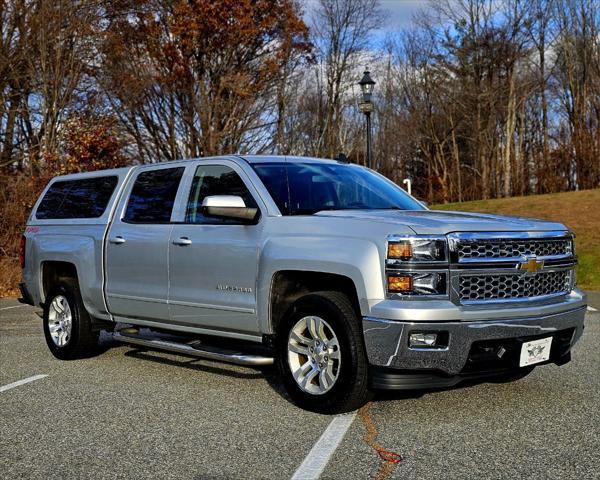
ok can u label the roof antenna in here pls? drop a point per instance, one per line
(341, 158)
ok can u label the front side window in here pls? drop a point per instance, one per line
(153, 196)
(83, 198)
(308, 188)
(212, 180)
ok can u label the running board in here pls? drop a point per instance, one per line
(197, 350)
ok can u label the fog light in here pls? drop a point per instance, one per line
(422, 340)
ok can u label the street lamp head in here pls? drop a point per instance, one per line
(366, 85)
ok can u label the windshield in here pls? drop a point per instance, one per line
(314, 187)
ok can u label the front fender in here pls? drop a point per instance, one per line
(357, 259)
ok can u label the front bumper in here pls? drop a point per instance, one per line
(388, 347)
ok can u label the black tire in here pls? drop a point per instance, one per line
(350, 390)
(83, 340)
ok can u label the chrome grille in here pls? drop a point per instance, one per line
(508, 286)
(482, 249)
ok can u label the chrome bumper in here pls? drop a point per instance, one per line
(387, 340)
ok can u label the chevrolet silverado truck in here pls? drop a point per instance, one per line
(325, 268)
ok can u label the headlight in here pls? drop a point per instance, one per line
(416, 249)
(417, 265)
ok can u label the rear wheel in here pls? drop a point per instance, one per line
(67, 325)
(321, 354)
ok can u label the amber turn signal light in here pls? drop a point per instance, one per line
(400, 284)
(400, 250)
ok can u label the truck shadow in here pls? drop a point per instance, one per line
(393, 395)
(267, 373)
(192, 364)
(271, 375)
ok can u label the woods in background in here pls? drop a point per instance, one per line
(477, 99)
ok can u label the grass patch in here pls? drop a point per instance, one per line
(580, 211)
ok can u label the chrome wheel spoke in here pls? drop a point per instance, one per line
(334, 355)
(301, 371)
(304, 369)
(326, 377)
(299, 338)
(308, 378)
(312, 327)
(57, 306)
(316, 327)
(298, 348)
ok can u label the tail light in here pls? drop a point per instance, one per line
(22, 246)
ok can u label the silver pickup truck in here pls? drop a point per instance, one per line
(325, 268)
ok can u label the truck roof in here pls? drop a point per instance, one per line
(284, 158)
(108, 171)
(252, 159)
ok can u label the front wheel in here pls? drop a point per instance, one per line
(321, 354)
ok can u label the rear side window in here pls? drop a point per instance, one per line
(153, 196)
(84, 198)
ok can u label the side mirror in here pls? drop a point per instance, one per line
(424, 203)
(229, 207)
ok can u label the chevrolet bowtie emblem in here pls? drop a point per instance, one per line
(532, 265)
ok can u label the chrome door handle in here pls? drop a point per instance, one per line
(183, 241)
(117, 240)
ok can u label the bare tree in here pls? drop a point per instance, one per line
(196, 78)
(341, 30)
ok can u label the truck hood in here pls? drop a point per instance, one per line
(437, 222)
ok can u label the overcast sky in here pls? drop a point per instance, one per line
(398, 13)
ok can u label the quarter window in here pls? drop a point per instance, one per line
(83, 198)
(215, 180)
(153, 196)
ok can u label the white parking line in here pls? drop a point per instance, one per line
(16, 306)
(592, 309)
(21, 382)
(317, 459)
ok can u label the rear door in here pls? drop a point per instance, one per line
(137, 246)
(213, 263)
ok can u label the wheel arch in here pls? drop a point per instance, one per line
(52, 271)
(287, 286)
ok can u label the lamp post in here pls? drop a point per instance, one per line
(366, 106)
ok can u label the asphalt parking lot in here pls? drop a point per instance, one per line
(128, 414)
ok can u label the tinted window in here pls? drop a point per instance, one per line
(307, 188)
(215, 180)
(85, 198)
(153, 195)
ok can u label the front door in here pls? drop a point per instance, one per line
(137, 247)
(213, 263)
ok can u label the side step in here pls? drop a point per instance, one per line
(194, 349)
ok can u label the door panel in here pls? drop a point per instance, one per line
(137, 282)
(213, 278)
(213, 262)
(137, 249)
